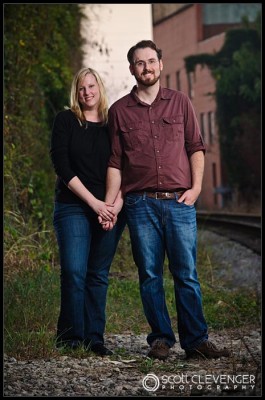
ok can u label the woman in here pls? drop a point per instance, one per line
(80, 150)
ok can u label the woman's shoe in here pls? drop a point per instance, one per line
(100, 349)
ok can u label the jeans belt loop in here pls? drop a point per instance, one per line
(144, 195)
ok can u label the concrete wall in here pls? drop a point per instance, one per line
(115, 27)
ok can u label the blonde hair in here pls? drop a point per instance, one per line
(74, 103)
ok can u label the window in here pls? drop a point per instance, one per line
(214, 182)
(168, 81)
(211, 125)
(190, 88)
(178, 80)
(202, 123)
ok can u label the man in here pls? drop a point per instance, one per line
(158, 161)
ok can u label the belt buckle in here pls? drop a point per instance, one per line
(162, 195)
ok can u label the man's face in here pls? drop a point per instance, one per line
(146, 67)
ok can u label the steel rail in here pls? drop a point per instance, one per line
(252, 220)
(241, 227)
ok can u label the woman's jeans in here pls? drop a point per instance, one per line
(86, 252)
(159, 227)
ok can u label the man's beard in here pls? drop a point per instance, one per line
(147, 83)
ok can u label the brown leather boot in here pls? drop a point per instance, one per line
(159, 349)
(206, 350)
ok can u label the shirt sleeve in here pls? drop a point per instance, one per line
(116, 158)
(193, 138)
(59, 150)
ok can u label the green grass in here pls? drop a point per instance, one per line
(32, 298)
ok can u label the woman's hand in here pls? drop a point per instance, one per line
(103, 210)
(107, 225)
(117, 206)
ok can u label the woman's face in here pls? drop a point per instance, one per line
(88, 93)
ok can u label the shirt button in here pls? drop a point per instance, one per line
(157, 151)
(159, 166)
(153, 122)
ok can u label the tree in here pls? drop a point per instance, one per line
(41, 52)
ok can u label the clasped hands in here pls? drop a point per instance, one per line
(107, 225)
(107, 217)
(108, 214)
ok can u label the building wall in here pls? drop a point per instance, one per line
(188, 29)
(161, 11)
(179, 36)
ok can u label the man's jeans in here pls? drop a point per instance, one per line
(86, 252)
(159, 227)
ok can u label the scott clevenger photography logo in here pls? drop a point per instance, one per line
(208, 382)
(151, 382)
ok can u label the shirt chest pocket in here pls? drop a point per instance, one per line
(134, 135)
(173, 127)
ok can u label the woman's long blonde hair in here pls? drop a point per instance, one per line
(74, 103)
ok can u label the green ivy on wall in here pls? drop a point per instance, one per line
(42, 50)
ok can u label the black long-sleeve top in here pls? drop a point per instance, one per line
(81, 151)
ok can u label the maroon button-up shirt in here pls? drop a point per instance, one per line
(152, 144)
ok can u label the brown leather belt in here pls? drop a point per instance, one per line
(162, 195)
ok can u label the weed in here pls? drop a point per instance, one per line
(32, 297)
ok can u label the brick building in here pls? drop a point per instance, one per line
(188, 29)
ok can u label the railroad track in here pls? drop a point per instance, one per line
(243, 228)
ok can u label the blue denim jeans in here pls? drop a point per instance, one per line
(158, 228)
(86, 252)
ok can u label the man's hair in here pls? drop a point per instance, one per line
(143, 45)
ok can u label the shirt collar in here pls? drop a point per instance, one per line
(163, 93)
(133, 99)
